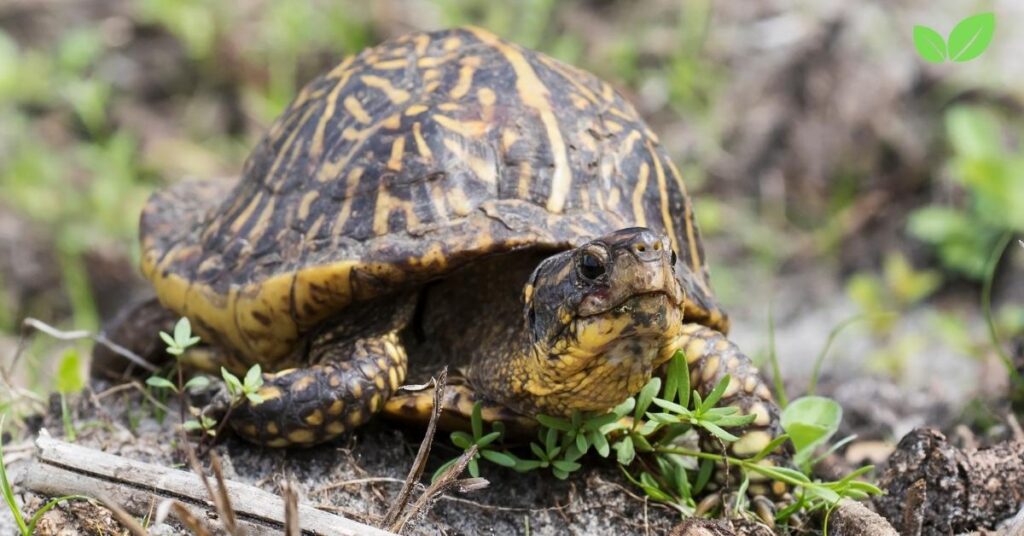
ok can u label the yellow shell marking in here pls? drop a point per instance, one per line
(355, 108)
(535, 95)
(395, 95)
(663, 196)
(638, 195)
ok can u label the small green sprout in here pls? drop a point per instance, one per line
(483, 443)
(247, 388)
(182, 339)
(202, 423)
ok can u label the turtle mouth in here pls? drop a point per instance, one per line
(630, 303)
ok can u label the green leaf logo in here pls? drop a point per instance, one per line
(967, 41)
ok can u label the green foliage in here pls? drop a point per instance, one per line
(646, 432)
(247, 388)
(989, 171)
(899, 287)
(809, 422)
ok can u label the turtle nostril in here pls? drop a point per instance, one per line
(657, 246)
(641, 248)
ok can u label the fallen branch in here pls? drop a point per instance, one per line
(63, 468)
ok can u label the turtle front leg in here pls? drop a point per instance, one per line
(304, 406)
(710, 356)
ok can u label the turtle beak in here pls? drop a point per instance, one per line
(640, 262)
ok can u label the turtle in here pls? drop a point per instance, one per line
(446, 198)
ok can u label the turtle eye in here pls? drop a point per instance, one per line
(591, 267)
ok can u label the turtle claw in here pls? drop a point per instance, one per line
(708, 504)
(764, 509)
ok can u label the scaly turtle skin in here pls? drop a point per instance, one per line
(446, 198)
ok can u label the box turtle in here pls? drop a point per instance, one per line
(446, 198)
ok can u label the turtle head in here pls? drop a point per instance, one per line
(596, 319)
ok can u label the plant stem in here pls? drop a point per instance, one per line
(986, 306)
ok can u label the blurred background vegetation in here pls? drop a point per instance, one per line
(839, 179)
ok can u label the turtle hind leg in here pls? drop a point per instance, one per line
(304, 406)
(459, 399)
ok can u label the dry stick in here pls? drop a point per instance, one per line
(291, 510)
(38, 325)
(416, 471)
(191, 522)
(220, 498)
(442, 485)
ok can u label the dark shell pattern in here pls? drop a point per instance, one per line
(399, 165)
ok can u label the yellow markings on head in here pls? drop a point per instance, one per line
(315, 418)
(301, 436)
(335, 408)
(534, 94)
(416, 109)
(421, 144)
(356, 110)
(663, 197)
(335, 428)
(638, 195)
(594, 334)
(751, 443)
(465, 81)
(395, 95)
(397, 152)
(306, 203)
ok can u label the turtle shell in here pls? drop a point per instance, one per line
(398, 166)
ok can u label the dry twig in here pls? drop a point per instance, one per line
(416, 471)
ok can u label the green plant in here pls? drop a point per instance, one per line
(69, 380)
(649, 431)
(25, 527)
(989, 170)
